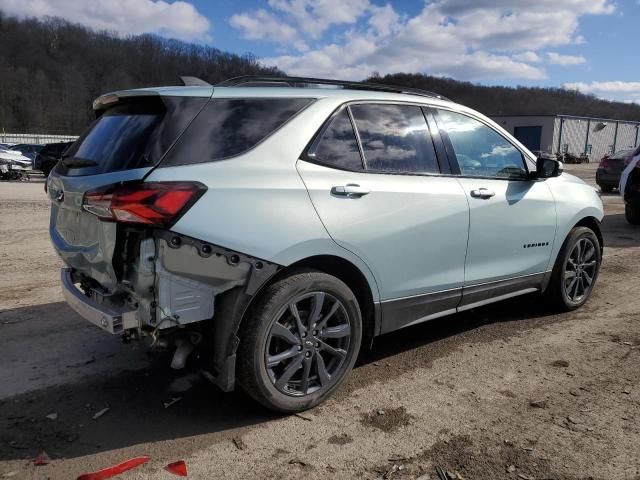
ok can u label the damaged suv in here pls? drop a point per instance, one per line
(278, 224)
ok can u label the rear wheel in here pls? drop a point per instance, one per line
(633, 214)
(606, 188)
(576, 270)
(299, 341)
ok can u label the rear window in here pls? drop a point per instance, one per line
(227, 127)
(130, 135)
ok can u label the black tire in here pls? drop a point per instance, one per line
(632, 214)
(262, 340)
(561, 279)
(606, 188)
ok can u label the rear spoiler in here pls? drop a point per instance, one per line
(105, 101)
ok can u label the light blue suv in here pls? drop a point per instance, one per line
(276, 224)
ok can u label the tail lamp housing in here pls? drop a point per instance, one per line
(155, 204)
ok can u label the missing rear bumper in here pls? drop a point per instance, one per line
(110, 318)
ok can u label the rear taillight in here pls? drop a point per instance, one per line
(157, 204)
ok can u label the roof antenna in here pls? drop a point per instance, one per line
(188, 81)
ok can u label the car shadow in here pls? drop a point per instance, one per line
(60, 419)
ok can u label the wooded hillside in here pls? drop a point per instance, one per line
(518, 100)
(50, 71)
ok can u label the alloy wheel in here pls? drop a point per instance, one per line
(308, 344)
(580, 270)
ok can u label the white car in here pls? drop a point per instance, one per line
(277, 226)
(13, 164)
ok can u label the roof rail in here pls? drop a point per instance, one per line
(309, 82)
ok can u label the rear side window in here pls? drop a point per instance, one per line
(480, 150)
(395, 138)
(227, 127)
(133, 134)
(337, 145)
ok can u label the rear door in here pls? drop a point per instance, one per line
(122, 144)
(379, 191)
(512, 217)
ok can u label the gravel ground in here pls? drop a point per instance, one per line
(506, 391)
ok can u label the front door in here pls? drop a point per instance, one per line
(380, 195)
(512, 217)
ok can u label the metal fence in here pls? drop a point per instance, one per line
(36, 138)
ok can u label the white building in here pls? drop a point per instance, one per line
(569, 134)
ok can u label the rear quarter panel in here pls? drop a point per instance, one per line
(257, 204)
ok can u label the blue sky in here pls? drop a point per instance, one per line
(590, 45)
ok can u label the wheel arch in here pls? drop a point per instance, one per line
(594, 224)
(233, 306)
(354, 278)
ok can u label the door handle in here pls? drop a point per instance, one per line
(350, 190)
(483, 193)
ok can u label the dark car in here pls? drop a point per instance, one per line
(29, 150)
(49, 155)
(632, 190)
(610, 169)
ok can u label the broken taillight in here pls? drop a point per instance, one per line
(157, 204)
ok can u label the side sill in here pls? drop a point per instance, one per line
(497, 299)
(408, 311)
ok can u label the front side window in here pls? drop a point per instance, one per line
(395, 138)
(480, 150)
(337, 145)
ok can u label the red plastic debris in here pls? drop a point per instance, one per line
(115, 469)
(177, 468)
(42, 459)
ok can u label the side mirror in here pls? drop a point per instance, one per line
(548, 167)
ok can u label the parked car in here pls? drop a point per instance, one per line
(29, 150)
(14, 165)
(610, 169)
(279, 230)
(630, 187)
(49, 155)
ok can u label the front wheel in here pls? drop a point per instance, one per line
(576, 270)
(299, 341)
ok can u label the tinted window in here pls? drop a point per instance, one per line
(480, 150)
(230, 126)
(395, 138)
(120, 136)
(337, 145)
(133, 134)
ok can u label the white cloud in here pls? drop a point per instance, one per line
(178, 19)
(565, 60)
(613, 90)
(314, 17)
(262, 25)
(529, 57)
(484, 39)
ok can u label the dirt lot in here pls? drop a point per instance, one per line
(508, 391)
